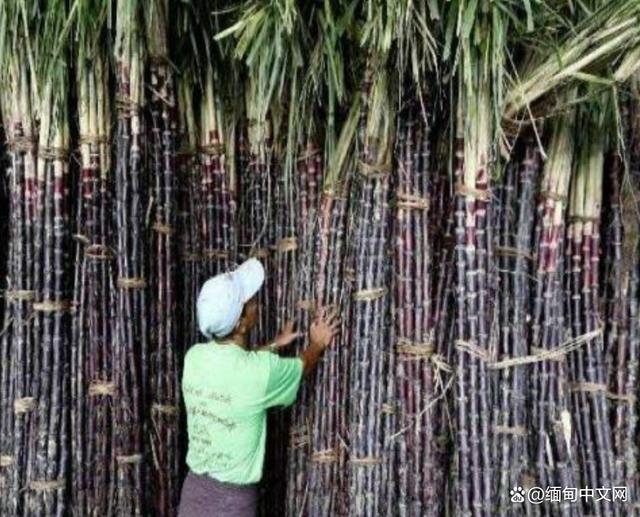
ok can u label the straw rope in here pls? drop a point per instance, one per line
(59, 154)
(589, 387)
(287, 244)
(129, 459)
(214, 149)
(42, 486)
(388, 409)
(163, 228)
(7, 461)
(259, 253)
(306, 305)
(583, 219)
(298, 437)
(186, 151)
(93, 139)
(132, 282)
(20, 294)
(551, 354)
(98, 252)
(472, 349)
(190, 257)
(81, 238)
(411, 202)
(102, 388)
(628, 398)
(374, 170)
(440, 363)
(554, 196)
(125, 104)
(52, 306)
(368, 295)
(412, 348)
(24, 405)
(367, 461)
(22, 144)
(165, 409)
(508, 251)
(326, 456)
(516, 430)
(464, 190)
(215, 254)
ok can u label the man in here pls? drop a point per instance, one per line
(227, 389)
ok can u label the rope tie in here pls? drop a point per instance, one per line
(583, 219)
(81, 238)
(216, 254)
(259, 253)
(306, 305)
(473, 350)
(24, 405)
(508, 251)
(368, 295)
(98, 252)
(287, 244)
(97, 388)
(367, 461)
(416, 349)
(163, 228)
(588, 387)
(374, 170)
(480, 195)
(440, 363)
(21, 144)
(411, 202)
(131, 282)
(388, 408)
(326, 456)
(213, 149)
(6, 461)
(516, 430)
(89, 139)
(42, 486)
(629, 398)
(52, 306)
(165, 409)
(129, 459)
(553, 196)
(125, 105)
(58, 154)
(190, 257)
(20, 295)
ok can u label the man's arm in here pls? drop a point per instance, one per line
(286, 336)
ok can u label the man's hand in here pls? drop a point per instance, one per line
(324, 328)
(286, 336)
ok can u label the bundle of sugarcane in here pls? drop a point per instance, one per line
(417, 475)
(589, 390)
(92, 352)
(514, 220)
(18, 353)
(164, 386)
(132, 331)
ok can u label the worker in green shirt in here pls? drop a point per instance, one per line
(227, 389)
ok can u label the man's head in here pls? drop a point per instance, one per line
(227, 302)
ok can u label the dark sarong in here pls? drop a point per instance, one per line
(203, 496)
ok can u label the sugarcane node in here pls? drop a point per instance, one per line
(6, 461)
(125, 105)
(553, 196)
(508, 251)
(474, 193)
(132, 283)
(22, 144)
(97, 388)
(366, 461)
(369, 170)
(52, 306)
(93, 139)
(516, 430)
(216, 254)
(24, 405)
(165, 229)
(128, 459)
(41, 486)
(213, 149)
(20, 295)
(411, 202)
(59, 154)
(588, 387)
(165, 409)
(369, 295)
(326, 456)
(287, 244)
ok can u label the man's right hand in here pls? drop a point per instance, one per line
(323, 328)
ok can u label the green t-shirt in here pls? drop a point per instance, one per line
(226, 393)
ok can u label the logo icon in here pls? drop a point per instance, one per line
(517, 494)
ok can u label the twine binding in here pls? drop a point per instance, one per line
(102, 388)
(20, 295)
(130, 459)
(508, 251)
(589, 387)
(59, 154)
(415, 349)
(21, 144)
(583, 219)
(516, 430)
(216, 254)
(125, 104)
(52, 306)
(368, 295)
(131, 282)
(388, 408)
(374, 170)
(42, 486)
(478, 194)
(165, 409)
(165, 229)
(259, 253)
(213, 149)
(93, 139)
(411, 202)
(190, 257)
(24, 405)
(98, 252)
(326, 456)
(473, 350)
(6, 461)
(287, 244)
(554, 196)
(628, 398)
(367, 461)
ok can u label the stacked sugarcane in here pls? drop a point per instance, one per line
(131, 357)
(163, 429)
(92, 354)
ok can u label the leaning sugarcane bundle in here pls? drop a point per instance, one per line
(18, 352)
(92, 352)
(513, 249)
(131, 191)
(163, 429)
(590, 403)
(418, 473)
